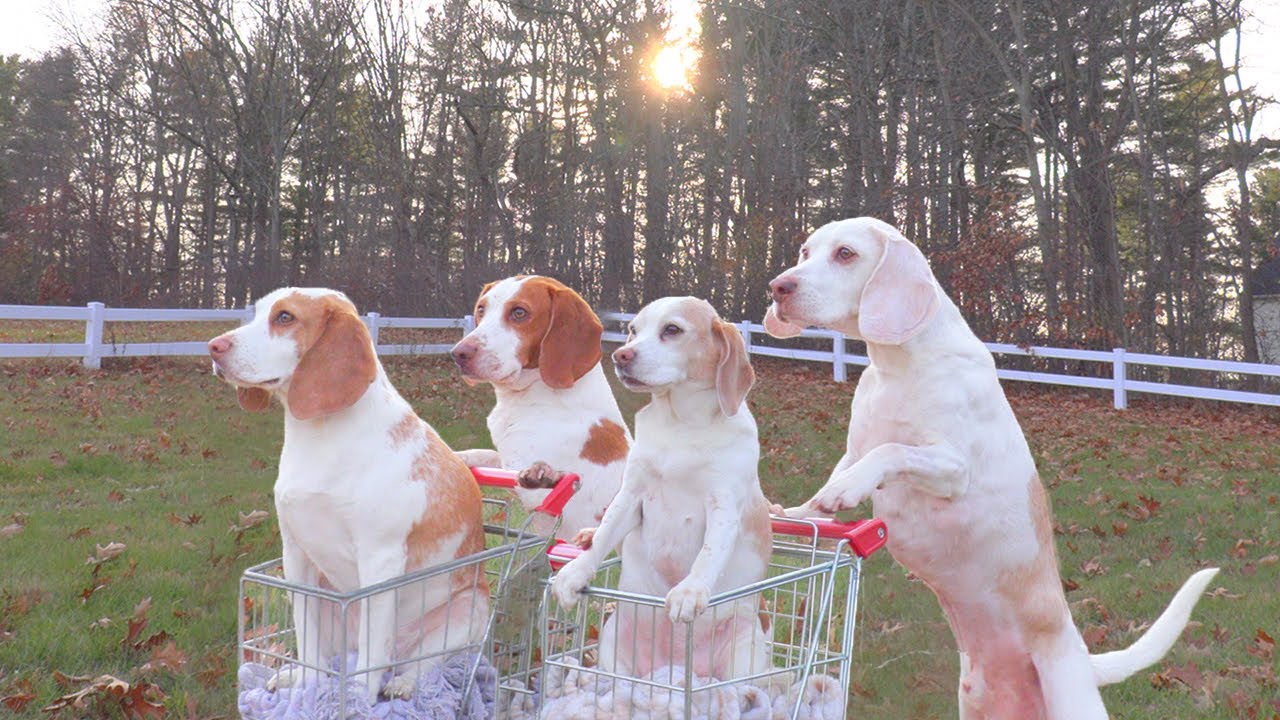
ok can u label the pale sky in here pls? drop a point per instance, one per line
(28, 27)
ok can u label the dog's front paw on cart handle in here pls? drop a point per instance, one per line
(570, 580)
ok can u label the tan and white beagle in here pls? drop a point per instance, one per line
(690, 516)
(538, 343)
(935, 446)
(366, 490)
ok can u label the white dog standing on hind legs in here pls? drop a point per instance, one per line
(935, 445)
(690, 516)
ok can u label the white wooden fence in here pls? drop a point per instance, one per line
(94, 348)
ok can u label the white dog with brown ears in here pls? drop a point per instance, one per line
(935, 445)
(538, 343)
(366, 490)
(690, 516)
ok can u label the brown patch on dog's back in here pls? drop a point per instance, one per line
(454, 503)
(406, 429)
(606, 443)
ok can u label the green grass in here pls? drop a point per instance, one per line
(156, 455)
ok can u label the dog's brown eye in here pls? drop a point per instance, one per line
(519, 314)
(804, 253)
(284, 317)
(671, 330)
(845, 254)
(479, 311)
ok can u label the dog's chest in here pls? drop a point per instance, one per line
(325, 503)
(319, 523)
(525, 438)
(673, 528)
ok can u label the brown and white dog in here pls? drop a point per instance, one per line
(691, 518)
(366, 490)
(935, 446)
(538, 343)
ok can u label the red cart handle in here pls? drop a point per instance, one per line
(561, 552)
(552, 504)
(864, 536)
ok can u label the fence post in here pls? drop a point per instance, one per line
(372, 322)
(93, 336)
(838, 368)
(468, 324)
(1121, 398)
(744, 327)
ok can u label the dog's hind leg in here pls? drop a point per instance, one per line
(1067, 679)
(966, 690)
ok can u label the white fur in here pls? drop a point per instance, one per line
(933, 442)
(346, 502)
(682, 515)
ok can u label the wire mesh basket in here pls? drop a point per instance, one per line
(616, 654)
(485, 642)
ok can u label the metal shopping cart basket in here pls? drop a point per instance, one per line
(502, 644)
(805, 608)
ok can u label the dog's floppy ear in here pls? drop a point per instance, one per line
(336, 370)
(571, 346)
(901, 295)
(734, 374)
(253, 399)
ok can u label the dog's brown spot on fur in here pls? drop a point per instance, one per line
(408, 428)
(606, 443)
(1035, 588)
(453, 503)
(534, 296)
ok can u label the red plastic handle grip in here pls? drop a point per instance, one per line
(561, 552)
(552, 504)
(864, 536)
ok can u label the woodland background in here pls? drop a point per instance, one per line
(1079, 173)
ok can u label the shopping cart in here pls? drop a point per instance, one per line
(502, 642)
(806, 607)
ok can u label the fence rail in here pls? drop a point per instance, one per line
(1118, 380)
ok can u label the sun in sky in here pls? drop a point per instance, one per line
(672, 65)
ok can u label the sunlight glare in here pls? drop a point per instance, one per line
(671, 66)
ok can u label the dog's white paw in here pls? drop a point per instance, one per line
(285, 678)
(831, 500)
(570, 580)
(401, 686)
(687, 600)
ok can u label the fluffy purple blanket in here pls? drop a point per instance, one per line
(438, 695)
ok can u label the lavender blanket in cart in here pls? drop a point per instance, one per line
(438, 695)
(573, 694)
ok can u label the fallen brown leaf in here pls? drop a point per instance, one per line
(248, 520)
(104, 553)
